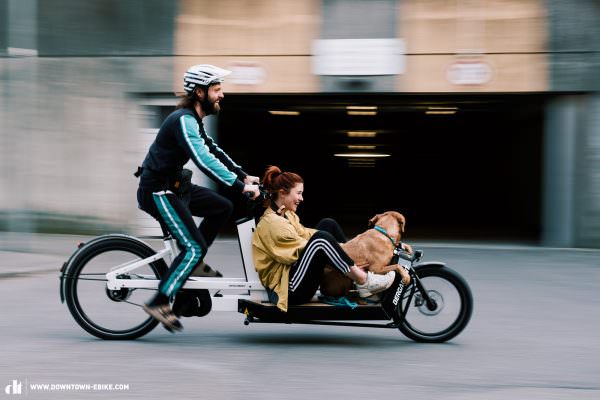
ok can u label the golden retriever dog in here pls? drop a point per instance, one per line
(371, 250)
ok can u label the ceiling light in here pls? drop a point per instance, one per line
(280, 112)
(361, 146)
(359, 155)
(361, 133)
(449, 112)
(439, 110)
(362, 108)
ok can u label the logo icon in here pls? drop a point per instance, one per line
(13, 388)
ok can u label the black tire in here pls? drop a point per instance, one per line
(436, 279)
(81, 272)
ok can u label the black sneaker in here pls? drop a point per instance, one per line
(164, 315)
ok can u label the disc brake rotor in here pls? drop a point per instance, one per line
(436, 297)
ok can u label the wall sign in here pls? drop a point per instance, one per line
(358, 57)
(465, 72)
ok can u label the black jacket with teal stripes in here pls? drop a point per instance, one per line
(180, 138)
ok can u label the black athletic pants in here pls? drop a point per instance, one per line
(174, 214)
(322, 249)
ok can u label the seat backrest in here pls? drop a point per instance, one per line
(246, 229)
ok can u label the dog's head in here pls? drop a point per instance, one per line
(392, 221)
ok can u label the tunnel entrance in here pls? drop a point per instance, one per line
(457, 166)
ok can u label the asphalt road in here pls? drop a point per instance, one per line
(534, 334)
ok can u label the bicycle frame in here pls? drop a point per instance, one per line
(221, 301)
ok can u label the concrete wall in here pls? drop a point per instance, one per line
(572, 137)
(572, 172)
(269, 39)
(508, 38)
(574, 44)
(68, 132)
(68, 119)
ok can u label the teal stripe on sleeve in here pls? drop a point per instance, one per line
(202, 155)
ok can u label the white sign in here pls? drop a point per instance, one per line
(469, 73)
(358, 57)
(247, 73)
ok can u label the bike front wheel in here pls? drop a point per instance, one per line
(110, 314)
(447, 315)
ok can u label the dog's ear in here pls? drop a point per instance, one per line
(374, 220)
(401, 220)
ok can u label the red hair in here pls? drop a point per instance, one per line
(275, 180)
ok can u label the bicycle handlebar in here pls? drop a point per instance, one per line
(412, 257)
(252, 204)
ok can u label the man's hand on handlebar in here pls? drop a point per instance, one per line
(249, 180)
(251, 191)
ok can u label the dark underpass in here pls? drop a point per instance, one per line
(461, 166)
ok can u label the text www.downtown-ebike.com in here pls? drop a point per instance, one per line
(17, 387)
(93, 387)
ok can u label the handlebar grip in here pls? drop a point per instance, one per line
(406, 256)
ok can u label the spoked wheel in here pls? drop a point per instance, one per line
(110, 314)
(446, 315)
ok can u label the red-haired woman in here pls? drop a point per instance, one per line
(290, 258)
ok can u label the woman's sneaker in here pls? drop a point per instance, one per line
(375, 283)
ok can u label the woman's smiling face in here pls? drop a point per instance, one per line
(292, 199)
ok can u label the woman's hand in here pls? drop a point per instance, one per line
(407, 247)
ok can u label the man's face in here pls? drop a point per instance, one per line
(210, 104)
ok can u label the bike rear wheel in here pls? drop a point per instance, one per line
(451, 312)
(110, 314)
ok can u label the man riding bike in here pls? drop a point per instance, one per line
(166, 192)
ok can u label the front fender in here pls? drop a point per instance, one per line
(435, 264)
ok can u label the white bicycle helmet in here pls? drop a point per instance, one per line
(204, 75)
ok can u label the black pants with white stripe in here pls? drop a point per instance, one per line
(199, 202)
(175, 214)
(322, 249)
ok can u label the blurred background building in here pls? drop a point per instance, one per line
(475, 118)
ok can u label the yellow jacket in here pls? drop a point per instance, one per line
(276, 245)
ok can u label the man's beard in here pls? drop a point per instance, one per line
(209, 107)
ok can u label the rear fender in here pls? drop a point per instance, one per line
(66, 267)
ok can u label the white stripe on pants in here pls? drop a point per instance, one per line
(309, 253)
